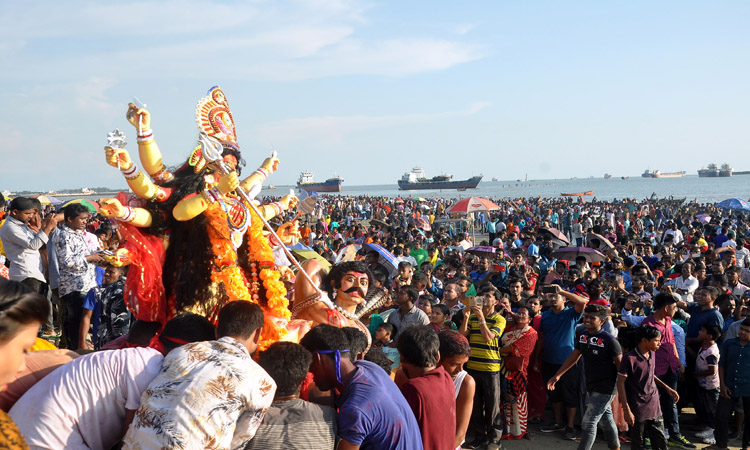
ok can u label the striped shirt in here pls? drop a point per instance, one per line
(485, 357)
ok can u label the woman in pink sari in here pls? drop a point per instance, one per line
(518, 343)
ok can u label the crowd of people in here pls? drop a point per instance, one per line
(470, 343)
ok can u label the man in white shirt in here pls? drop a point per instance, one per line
(89, 402)
(686, 284)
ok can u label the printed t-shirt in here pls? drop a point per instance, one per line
(598, 349)
(431, 397)
(708, 357)
(485, 357)
(373, 414)
(640, 387)
(559, 334)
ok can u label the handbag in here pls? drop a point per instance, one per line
(513, 363)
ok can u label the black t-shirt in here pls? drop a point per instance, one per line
(598, 351)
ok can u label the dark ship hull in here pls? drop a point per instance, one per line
(330, 185)
(471, 183)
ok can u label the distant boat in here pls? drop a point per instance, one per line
(713, 171)
(607, 176)
(576, 194)
(659, 174)
(624, 178)
(495, 179)
(307, 183)
(416, 179)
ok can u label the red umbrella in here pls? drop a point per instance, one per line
(473, 204)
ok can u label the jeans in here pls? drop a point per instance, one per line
(73, 304)
(598, 407)
(41, 288)
(486, 404)
(723, 412)
(668, 405)
(652, 429)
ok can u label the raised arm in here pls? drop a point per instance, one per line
(140, 184)
(148, 151)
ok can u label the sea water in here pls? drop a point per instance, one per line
(691, 187)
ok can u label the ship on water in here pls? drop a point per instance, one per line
(659, 174)
(307, 183)
(713, 171)
(607, 176)
(417, 179)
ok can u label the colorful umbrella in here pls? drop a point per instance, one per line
(385, 258)
(419, 199)
(48, 200)
(570, 254)
(305, 255)
(91, 205)
(423, 223)
(734, 203)
(473, 204)
(482, 250)
(703, 218)
(348, 253)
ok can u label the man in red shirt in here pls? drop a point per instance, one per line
(430, 391)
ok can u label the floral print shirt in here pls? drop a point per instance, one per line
(208, 395)
(76, 274)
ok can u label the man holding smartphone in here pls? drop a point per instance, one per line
(483, 327)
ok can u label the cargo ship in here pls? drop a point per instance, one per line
(307, 183)
(416, 179)
(659, 174)
(712, 171)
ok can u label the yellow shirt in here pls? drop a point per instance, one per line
(485, 357)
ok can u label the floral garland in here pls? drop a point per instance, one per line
(242, 286)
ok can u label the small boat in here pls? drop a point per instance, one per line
(624, 178)
(576, 194)
(607, 176)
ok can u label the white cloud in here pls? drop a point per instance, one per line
(254, 41)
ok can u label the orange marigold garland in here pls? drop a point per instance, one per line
(241, 286)
(277, 306)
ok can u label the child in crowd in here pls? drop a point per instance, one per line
(454, 353)
(384, 339)
(707, 374)
(638, 395)
(440, 318)
(404, 275)
(429, 390)
(292, 423)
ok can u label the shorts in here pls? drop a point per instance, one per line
(567, 390)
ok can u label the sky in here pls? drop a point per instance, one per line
(368, 89)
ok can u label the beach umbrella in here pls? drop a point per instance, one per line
(570, 254)
(734, 203)
(91, 205)
(48, 200)
(482, 250)
(348, 253)
(555, 233)
(598, 242)
(703, 218)
(386, 258)
(472, 204)
(306, 255)
(419, 199)
(423, 223)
